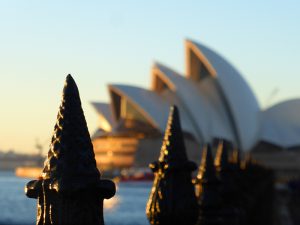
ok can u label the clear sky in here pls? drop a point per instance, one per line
(101, 42)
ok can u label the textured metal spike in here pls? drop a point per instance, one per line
(70, 190)
(172, 199)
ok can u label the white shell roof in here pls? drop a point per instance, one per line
(186, 123)
(281, 124)
(149, 103)
(105, 114)
(189, 98)
(205, 119)
(241, 101)
(219, 104)
(220, 124)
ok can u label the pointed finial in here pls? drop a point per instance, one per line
(70, 88)
(209, 196)
(236, 156)
(207, 170)
(248, 162)
(221, 160)
(173, 150)
(70, 190)
(235, 159)
(172, 199)
(71, 161)
(207, 180)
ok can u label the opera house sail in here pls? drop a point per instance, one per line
(214, 100)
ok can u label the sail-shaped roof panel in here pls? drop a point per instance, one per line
(238, 97)
(148, 103)
(281, 124)
(188, 95)
(206, 118)
(105, 115)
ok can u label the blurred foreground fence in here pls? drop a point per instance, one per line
(227, 190)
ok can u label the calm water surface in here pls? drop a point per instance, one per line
(126, 208)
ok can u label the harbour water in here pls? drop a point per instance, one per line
(126, 208)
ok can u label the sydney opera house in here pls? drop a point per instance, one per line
(214, 102)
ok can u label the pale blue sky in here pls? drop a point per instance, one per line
(101, 42)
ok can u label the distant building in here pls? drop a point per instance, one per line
(10, 160)
(214, 102)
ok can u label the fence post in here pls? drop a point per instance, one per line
(172, 199)
(229, 190)
(208, 186)
(70, 190)
(260, 189)
(235, 160)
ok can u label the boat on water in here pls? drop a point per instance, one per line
(136, 174)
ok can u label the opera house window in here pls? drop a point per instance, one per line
(129, 112)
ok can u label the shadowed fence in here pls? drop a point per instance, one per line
(226, 191)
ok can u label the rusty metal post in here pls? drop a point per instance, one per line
(208, 186)
(172, 199)
(70, 191)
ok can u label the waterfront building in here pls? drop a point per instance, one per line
(214, 102)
